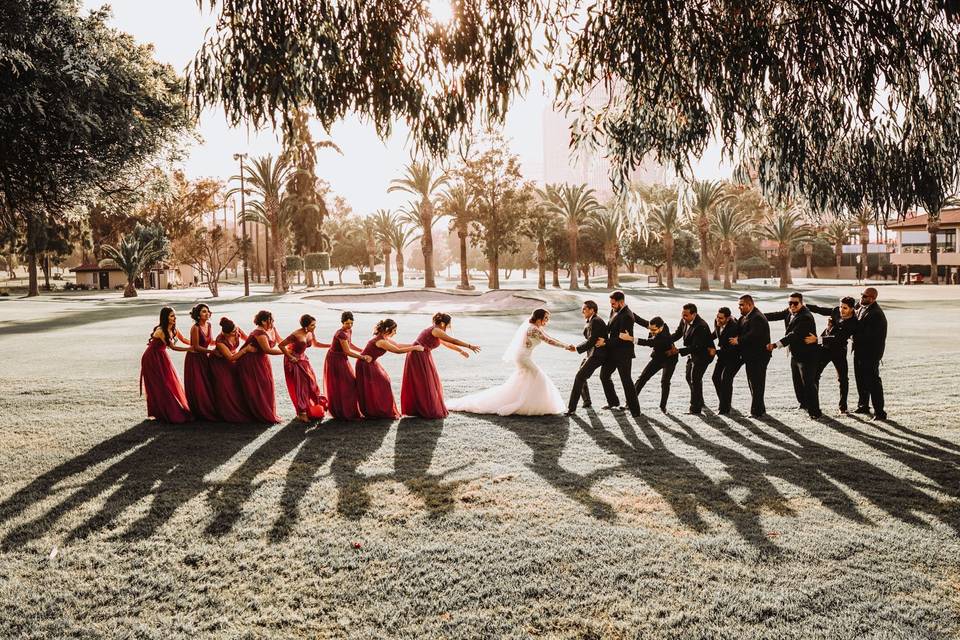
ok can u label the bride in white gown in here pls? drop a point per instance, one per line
(528, 391)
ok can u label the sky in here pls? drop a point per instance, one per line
(362, 174)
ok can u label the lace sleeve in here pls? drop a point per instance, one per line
(543, 336)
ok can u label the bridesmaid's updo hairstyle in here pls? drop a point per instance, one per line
(195, 312)
(164, 321)
(226, 325)
(441, 318)
(538, 315)
(346, 315)
(306, 319)
(384, 327)
(262, 316)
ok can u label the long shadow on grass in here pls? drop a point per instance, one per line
(814, 462)
(347, 446)
(680, 482)
(547, 437)
(169, 465)
(416, 443)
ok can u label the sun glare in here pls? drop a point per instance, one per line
(441, 10)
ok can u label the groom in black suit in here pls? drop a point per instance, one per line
(620, 355)
(698, 346)
(595, 334)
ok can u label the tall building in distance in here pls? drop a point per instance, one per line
(561, 164)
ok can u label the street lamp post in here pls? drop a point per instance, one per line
(243, 223)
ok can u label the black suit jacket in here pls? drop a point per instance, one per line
(660, 343)
(836, 334)
(593, 330)
(618, 349)
(696, 341)
(798, 326)
(870, 338)
(754, 336)
(727, 353)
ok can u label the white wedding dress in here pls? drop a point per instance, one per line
(527, 392)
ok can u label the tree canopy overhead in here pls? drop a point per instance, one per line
(812, 95)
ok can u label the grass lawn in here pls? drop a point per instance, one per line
(597, 526)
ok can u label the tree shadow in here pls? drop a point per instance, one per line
(546, 437)
(170, 466)
(684, 487)
(809, 459)
(347, 445)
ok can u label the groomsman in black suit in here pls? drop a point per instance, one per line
(869, 341)
(728, 358)
(753, 340)
(698, 346)
(660, 359)
(620, 354)
(594, 333)
(841, 325)
(804, 357)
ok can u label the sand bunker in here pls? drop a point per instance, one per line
(420, 301)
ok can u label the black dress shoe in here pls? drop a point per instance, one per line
(663, 409)
(880, 417)
(588, 406)
(609, 407)
(723, 412)
(758, 416)
(636, 414)
(816, 416)
(693, 413)
(570, 413)
(864, 410)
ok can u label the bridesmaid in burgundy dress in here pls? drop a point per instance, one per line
(373, 384)
(227, 393)
(301, 379)
(338, 376)
(166, 400)
(256, 374)
(197, 375)
(421, 393)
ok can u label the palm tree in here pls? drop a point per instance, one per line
(384, 221)
(837, 232)
(419, 180)
(267, 177)
(137, 252)
(703, 197)
(369, 226)
(401, 236)
(607, 223)
(540, 225)
(728, 224)
(575, 204)
(457, 205)
(664, 219)
(787, 229)
(862, 220)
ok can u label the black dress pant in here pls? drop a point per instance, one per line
(757, 381)
(839, 360)
(723, 374)
(580, 387)
(695, 371)
(650, 370)
(622, 366)
(806, 384)
(866, 371)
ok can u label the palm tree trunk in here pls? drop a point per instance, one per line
(839, 255)
(784, 267)
(279, 279)
(933, 228)
(736, 267)
(726, 268)
(668, 254)
(426, 242)
(586, 276)
(130, 291)
(387, 279)
(573, 258)
(702, 232)
(399, 268)
(864, 241)
(541, 264)
(556, 273)
(464, 274)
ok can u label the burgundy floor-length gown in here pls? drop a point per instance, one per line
(421, 393)
(302, 381)
(340, 381)
(373, 385)
(227, 390)
(198, 380)
(256, 379)
(166, 400)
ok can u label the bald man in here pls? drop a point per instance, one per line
(869, 341)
